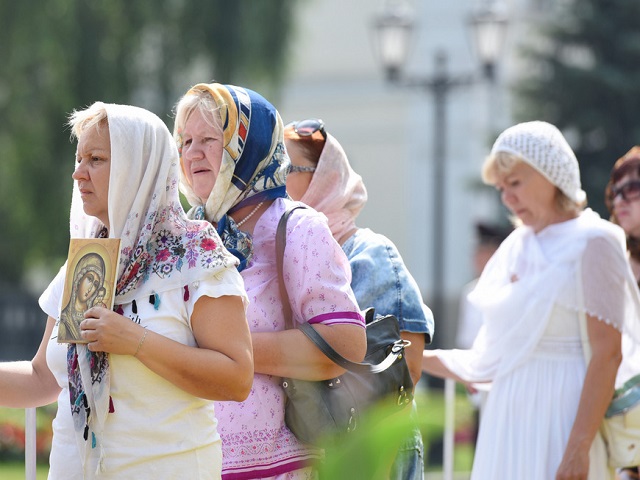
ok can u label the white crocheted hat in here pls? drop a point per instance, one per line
(543, 147)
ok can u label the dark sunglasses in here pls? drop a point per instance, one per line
(306, 128)
(629, 191)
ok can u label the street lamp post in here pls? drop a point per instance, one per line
(439, 85)
(394, 28)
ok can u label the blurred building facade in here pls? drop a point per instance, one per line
(387, 131)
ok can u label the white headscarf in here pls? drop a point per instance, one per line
(543, 146)
(161, 250)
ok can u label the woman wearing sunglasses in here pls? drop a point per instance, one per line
(622, 196)
(234, 168)
(322, 177)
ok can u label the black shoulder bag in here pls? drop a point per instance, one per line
(316, 410)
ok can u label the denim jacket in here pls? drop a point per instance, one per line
(380, 279)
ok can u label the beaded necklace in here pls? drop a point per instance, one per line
(250, 215)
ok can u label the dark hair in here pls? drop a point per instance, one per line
(492, 233)
(627, 164)
(311, 146)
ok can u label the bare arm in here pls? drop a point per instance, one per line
(597, 391)
(413, 354)
(29, 384)
(290, 353)
(220, 368)
(432, 365)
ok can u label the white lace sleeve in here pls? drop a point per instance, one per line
(611, 294)
(609, 289)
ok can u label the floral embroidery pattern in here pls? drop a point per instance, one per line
(254, 434)
(165, 253)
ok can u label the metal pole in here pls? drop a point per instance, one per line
(449, 428)
(439, 87)
(30, 444)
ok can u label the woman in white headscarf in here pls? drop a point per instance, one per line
(562, 263)
(136, 401)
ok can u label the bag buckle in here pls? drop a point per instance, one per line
(403, 397)
(353, 422)
(399, 346)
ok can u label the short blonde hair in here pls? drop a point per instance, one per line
(203, 102)
(501, 163)
(92, 116)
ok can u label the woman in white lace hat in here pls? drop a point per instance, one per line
(561, 263)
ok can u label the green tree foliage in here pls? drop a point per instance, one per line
(584, 77)
(64, 54)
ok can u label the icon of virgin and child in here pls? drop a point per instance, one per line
(86, 288)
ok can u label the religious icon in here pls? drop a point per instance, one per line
(92, 265)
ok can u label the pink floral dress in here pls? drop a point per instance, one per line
(256, 442)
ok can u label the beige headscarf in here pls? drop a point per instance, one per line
(336, 189)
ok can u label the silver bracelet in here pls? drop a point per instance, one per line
(144, 335)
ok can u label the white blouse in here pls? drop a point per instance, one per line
(157, 430)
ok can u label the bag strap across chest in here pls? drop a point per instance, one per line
(397, 350)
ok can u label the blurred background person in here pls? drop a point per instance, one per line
(543, 412)
(322, 178)
(488, 238)
(234, 168)
(622, 196)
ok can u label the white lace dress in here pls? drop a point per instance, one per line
(530, 346)
(529, 413)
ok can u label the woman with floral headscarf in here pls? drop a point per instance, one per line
(135, 401)
(233, 174)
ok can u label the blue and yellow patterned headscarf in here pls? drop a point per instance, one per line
(254, 162)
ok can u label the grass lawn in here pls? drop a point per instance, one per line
(15, 471)
(430, 409)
